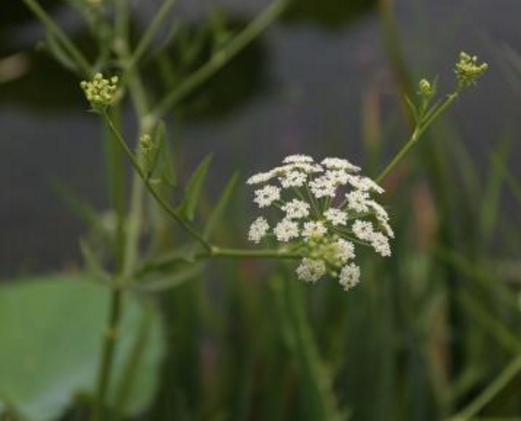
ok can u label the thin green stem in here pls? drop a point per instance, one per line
(399, 156)
(420, 129)
(107, 354)
(131, 238)
(230, 253)
(221, 58)
(162, 202)
(61, 36)
(148, 36)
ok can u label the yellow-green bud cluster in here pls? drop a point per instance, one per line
(426, 89)
(100, 91)
(468, 70)
(146, 145)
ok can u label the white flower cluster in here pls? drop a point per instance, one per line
(326, 209)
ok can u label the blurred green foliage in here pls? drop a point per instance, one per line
(430, 333)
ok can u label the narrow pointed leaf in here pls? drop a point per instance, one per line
(194, 188)
(221, 206)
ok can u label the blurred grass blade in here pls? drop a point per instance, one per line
(492, 197)
(492, 391)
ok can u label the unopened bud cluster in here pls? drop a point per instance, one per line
(468, 70)
(426, 89)
(100, 90)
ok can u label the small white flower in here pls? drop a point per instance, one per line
(260, 178)
(380, 244)
(349, 276)
(311, 270)
(336, 216)
(337, 177)
(340, 164)
(346, 250)
(364, 184)
(387, 229)
(380, 212)
(266, 196)
(258, 230)
(293, 179)
(292, 159)
(322, 187)
(296, 209)
(286, 230)
(357, 201)
(314, 230)
(363, 230)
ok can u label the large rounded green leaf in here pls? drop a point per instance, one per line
(51, 331)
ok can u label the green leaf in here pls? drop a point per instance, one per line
(221, 206)
(159, 144)
(168, 173)
(52, 329)
(194, 187)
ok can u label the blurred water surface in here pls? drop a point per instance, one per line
(313, 103)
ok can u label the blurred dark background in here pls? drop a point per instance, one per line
(308, 85)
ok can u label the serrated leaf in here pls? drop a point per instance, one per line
(52, 328)
(194, 188)
(221, 206)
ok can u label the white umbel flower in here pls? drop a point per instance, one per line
(323, 187)
(260, 178)
(266, 196)
(340, 164)
(292, 159)
(349, 276)
(286, 230)
(314, 230)
(345, 249)
(293, 179)
(357, 200)
(323, 210)
(296, 209)
(258, 230)
(336, 216)
(311, 270)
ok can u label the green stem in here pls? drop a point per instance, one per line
(61, 36)
(162, 202)
(221, 58)
(420, 129)
(148, 36)
(220, 252)
(107, 354)
(399, 156)
(132, 236)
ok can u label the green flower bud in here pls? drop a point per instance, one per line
(426, 90)
(100, 91)
(468, 70)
